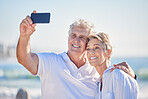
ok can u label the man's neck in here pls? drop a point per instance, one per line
(78, 60)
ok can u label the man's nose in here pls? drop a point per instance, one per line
(77, 39)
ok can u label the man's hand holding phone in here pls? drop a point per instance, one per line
(27, 26)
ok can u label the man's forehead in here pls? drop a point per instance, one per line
(80, 30)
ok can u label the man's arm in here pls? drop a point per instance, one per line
(126, 68)
(24, 56)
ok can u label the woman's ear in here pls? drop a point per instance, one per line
(108, 52)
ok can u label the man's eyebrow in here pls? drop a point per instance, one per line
(83, 36)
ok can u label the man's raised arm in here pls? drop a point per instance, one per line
(23, 52)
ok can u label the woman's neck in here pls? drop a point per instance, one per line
(100, 69)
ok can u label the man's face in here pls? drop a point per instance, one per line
(77, 40)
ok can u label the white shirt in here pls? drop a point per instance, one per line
(61, 79)
(117, 85)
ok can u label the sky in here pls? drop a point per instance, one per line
(126, 22)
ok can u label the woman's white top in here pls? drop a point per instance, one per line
(117, 85)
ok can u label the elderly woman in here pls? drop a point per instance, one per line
(111, 85)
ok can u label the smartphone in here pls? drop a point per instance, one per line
(40, 17)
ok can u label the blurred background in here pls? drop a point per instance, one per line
(125, 21)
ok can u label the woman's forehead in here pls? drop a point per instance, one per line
(94, 41)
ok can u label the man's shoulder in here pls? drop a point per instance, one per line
(47, 55)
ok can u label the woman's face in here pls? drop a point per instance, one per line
(96, 54)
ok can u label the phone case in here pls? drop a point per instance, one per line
(40, 17)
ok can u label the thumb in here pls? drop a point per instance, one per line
(34, 11)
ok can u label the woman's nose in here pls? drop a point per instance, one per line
(92, 51)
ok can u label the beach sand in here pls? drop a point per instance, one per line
(10, 93)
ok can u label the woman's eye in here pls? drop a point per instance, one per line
(97, 48)
(88, 49)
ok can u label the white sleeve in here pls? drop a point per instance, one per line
(125, 87)
(45, 60)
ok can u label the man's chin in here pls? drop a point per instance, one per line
(76, 51)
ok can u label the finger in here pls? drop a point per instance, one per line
(24, 22)
(125, 69)
(120, 67)
(122, 64)
(32, 29)
(33, 25)
(29, 20)
(112, 69)
(27, 23)
(34, 11)
(119, 64)
(117, 67)
(114, 64)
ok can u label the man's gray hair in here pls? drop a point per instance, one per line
(82, 24)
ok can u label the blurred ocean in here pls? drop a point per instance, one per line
(14, 76)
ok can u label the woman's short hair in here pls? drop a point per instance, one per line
(104, 38)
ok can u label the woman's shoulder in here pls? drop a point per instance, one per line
(119, 74)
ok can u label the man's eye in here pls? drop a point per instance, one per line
(83, 38)
(73, 36)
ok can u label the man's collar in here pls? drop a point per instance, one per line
(67, 59)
